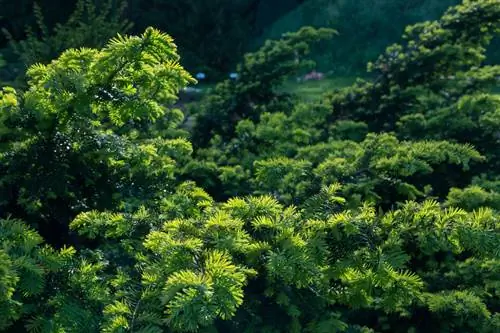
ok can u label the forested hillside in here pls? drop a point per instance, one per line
(375, 208)
(213, 35)
(365, 27)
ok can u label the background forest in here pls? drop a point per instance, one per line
(367, 201)
(212, 36)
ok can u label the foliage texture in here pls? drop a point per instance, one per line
(375, 209)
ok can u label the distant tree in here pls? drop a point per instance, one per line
(259, 76)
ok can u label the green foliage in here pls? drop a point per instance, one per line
(70, 143)
(27, 270)
(438, 63)
(195, 271)
(473, 197)
(260, 74)
(372, 210)
(284, 154)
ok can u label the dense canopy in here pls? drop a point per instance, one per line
(372, 209)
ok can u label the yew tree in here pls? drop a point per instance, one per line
(290, 217)
(81, 136)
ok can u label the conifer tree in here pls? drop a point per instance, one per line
(333, 225)
(71, 142)
(433, 87)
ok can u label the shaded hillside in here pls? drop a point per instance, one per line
(365, 27)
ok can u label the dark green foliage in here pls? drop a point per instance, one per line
(365, 27)
(434, 88)
(286, 155)
(89, 25)
(211, 34)
(27, 270)
(436, 78)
